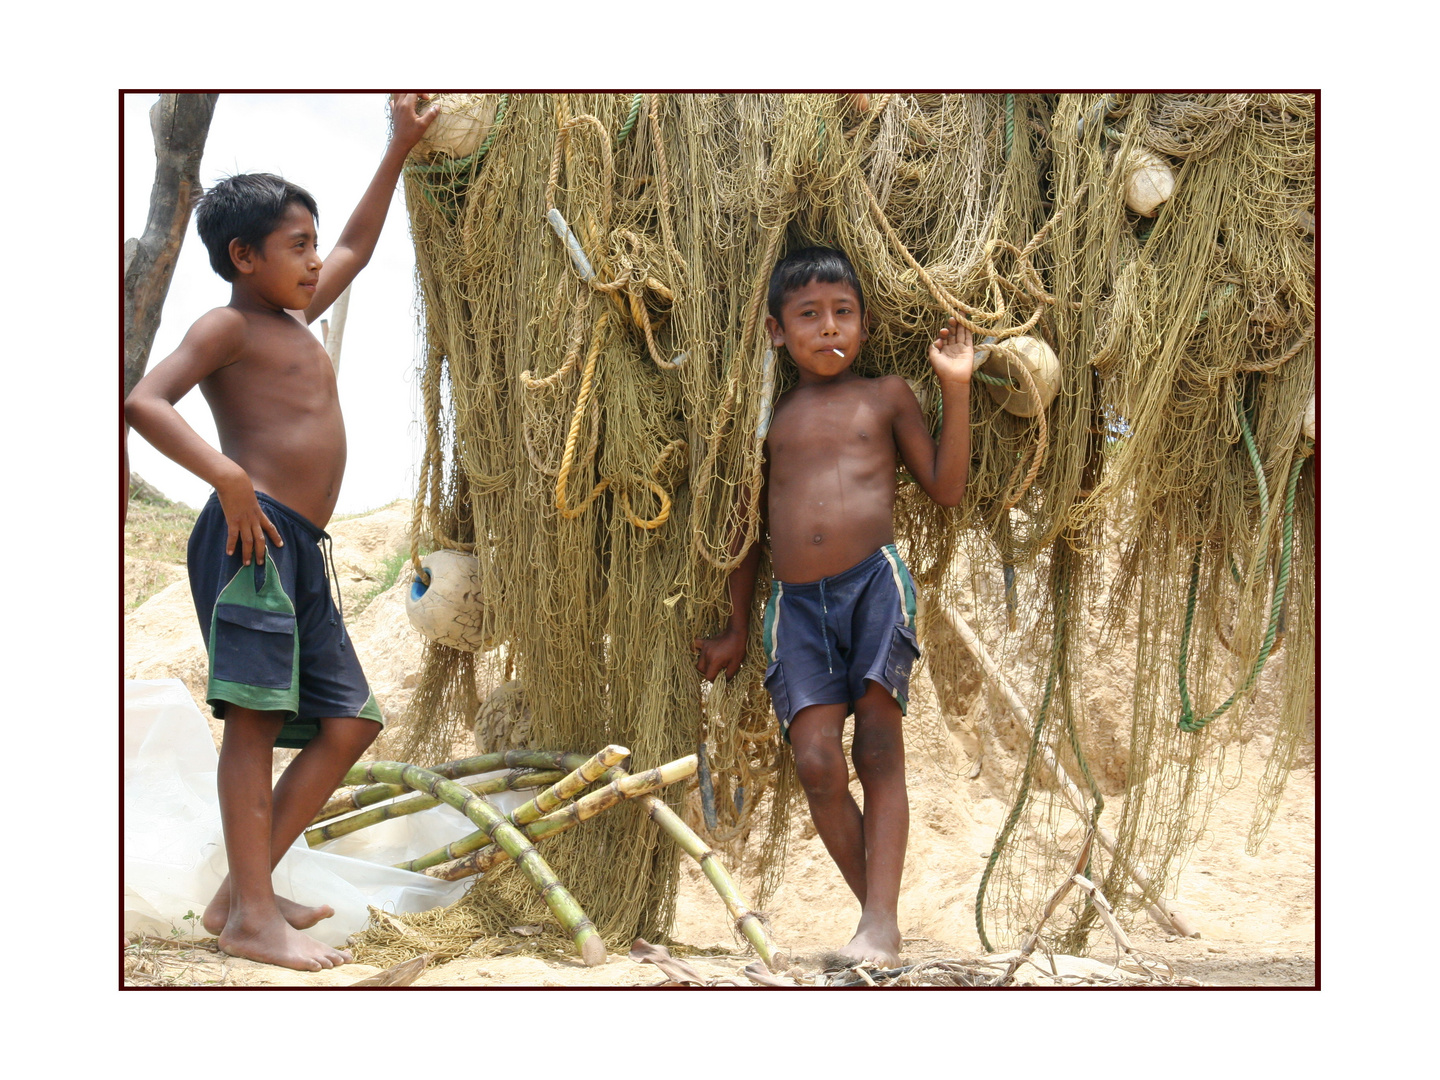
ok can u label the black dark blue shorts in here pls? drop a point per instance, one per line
(275, 639)
(824, 639)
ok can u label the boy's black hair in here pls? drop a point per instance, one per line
(799, 268)
(248, 208)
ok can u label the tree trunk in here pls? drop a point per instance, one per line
(179, 123)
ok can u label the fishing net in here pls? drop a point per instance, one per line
(597, 378)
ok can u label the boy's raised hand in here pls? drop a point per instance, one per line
(409, 127)
(952, 354)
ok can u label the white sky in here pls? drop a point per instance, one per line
(329, 144)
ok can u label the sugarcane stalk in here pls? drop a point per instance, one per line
(564, 906)
(479, 763)
(746, 921)
(360, 797)
(570, 786)
(479, 858)
(509, 782)
(357, 799)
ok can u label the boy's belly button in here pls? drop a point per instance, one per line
(818, 538)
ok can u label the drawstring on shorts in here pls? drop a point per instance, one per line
(327, 556)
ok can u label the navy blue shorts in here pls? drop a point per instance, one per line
(824, 638)
(275, 639)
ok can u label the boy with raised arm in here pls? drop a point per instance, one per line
(282, 670)
(839, 630)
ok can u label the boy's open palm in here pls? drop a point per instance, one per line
(952, 354)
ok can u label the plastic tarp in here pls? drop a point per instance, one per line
(174, 856)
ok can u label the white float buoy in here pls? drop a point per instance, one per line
(445, 602)
(1149, 182)
(1307, 426)
(1044, 367)
(463, 123)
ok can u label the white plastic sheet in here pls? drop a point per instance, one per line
(175, 851)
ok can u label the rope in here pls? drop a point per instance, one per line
(1062, 603)
(629, 124)
(587, 381)
(1188, 720)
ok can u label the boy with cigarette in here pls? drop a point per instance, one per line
(839, 629)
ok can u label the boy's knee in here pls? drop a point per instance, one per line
(822, 771)
(878, 757)
(879, 746)
(351, 734)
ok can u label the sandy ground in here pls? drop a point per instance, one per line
(1255, 914)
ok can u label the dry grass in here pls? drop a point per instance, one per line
(153, 961)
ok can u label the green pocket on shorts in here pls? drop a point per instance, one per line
(253, 647)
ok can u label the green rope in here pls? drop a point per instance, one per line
(1188, 720)
(1009, 124)
(1254, 456)
(1062, 603)
(995, 380)
(629, 124)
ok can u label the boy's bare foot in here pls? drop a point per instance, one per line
(276, 942)
(876, 940)
(300, 916)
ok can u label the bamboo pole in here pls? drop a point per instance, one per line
(746, 921)
(474, 854)
(571, 785)
(404, 807)
(564, 906)
(1160, 908)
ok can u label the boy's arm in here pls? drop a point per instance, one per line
(214, 341)
(941, 470)
(357, 240)
(726, 650)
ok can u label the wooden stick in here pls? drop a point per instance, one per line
(1050, 906)
(335, 335)
(1160, 908)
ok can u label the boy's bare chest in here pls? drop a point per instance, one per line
(810, 429)
(285, 367)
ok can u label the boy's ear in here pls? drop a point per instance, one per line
(242, 256)
(777, 332)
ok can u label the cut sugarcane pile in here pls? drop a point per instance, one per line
(381, 790)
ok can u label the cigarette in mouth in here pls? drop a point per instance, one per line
(837, 352)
